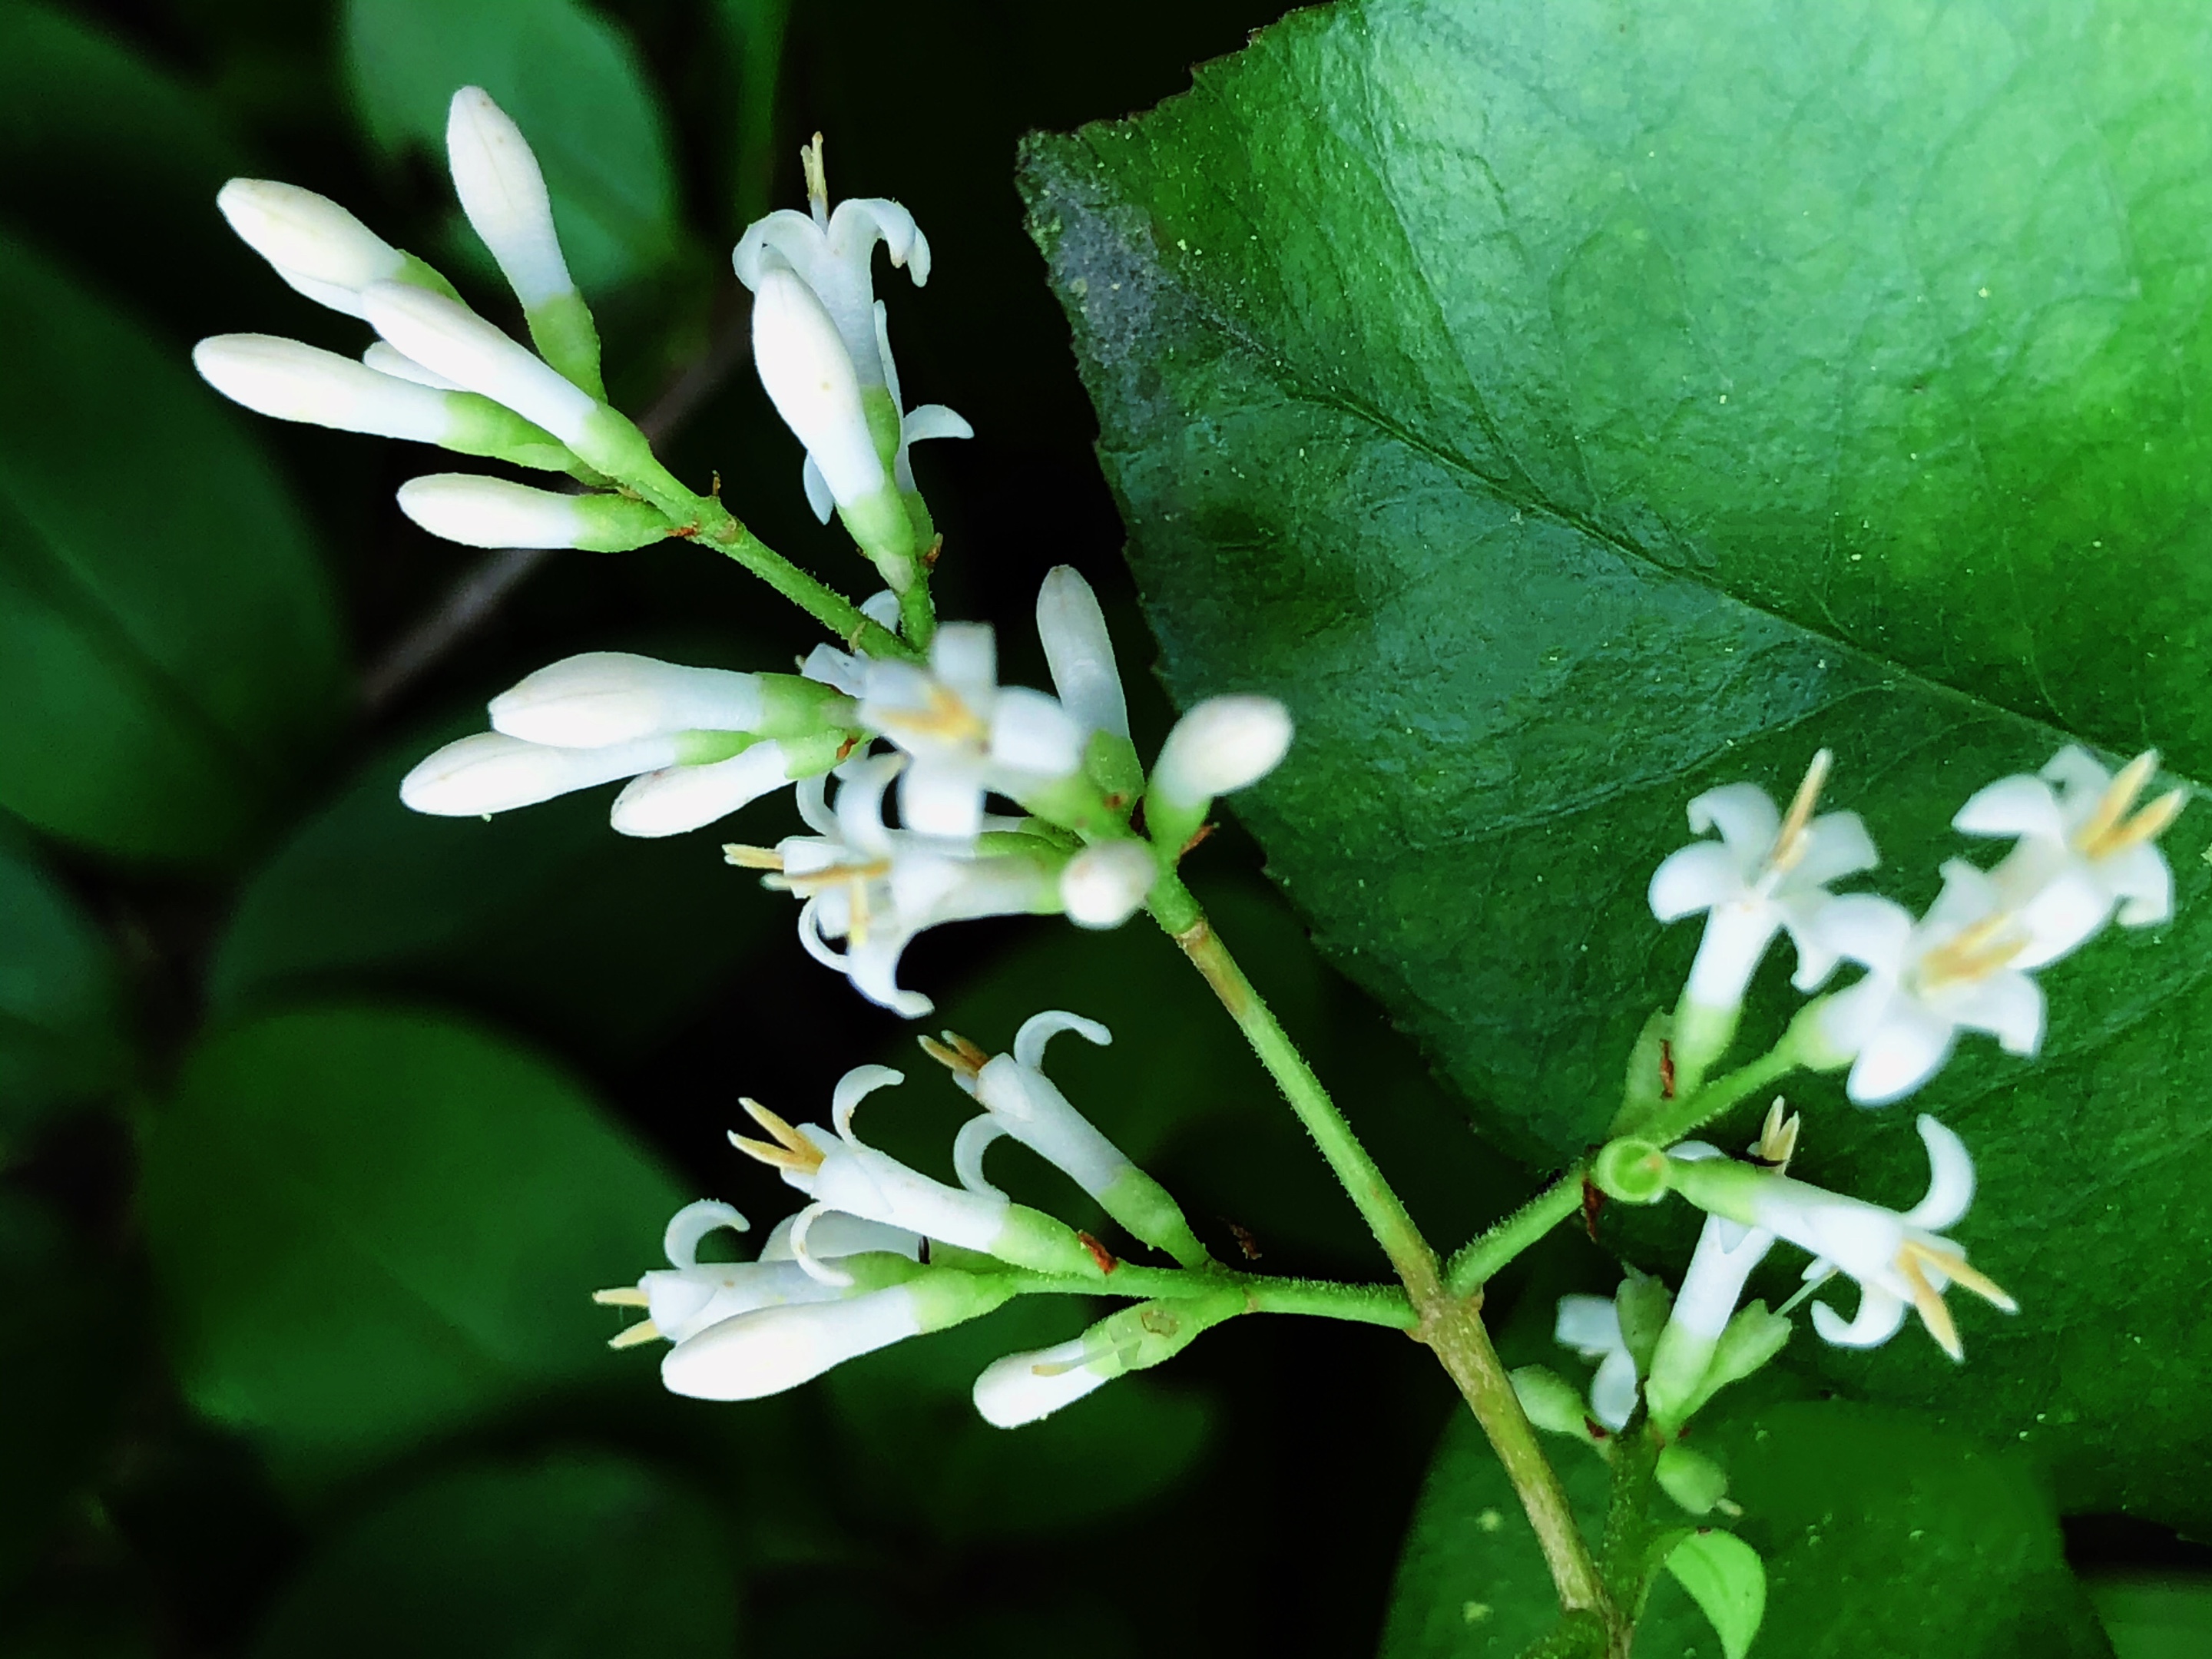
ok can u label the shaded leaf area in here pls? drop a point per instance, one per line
(167, 644)
(372, 1226)
(573, 83)
(1880, 1533)
(149, 149)
(544, 916)
(574, 1555)
(65, 1349)
(1408, 331)
(925, 1459)
(2152, 1618)
(63, 1036)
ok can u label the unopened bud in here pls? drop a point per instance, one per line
(450, 340)
(314, 244)
(679, 798)
(483, 511)
(612, 696)
(1690, 1479)
(493, 773)
(292, 381)
(1104, 885)
(382, 356)
(1072, 628)
(1552, 1402)
(1222, 744)
(1023, 1388)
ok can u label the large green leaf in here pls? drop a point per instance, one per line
(62, 1036)
(573, 83)
(545, 915)
(578, 1556)
(370, 1226)
(1568, 407)
(166, 638)
(1880, 1535)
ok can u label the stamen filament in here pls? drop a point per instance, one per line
(644, 1331)
(1790, 842)
(622, 1296)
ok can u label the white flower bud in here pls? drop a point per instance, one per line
(503, 193)
(314, 244)
(481, 512)
(490, 772)
(450, 340)
(1080, 653)
(683, 797)
(293, 381)
(601, 697)
(765, 1352)
(382, 357)
(1223, 744)
(1023, 1387)
(1103, 886)
(810, 377)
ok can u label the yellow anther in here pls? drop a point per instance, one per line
(644, 1331)
(1976, 953)
(622, 1296)
(790, 1150)
(1790, 842)
(1778, 1138)
(1953, 1266)
(751, 858)
(955, 1054)
(817, 179)
(947, 718)
(1933, 1314)
(2110, 829)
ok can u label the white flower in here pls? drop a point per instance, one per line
(477, 511)
(967, 734)
(1079, 651)
(1590, 1325)
(688, 1296)
(2082, 851)
(1766, 873)
(453, 341)
(691, 740)
(502, 191)
(1104, 885)
(1898, 1260)
(312, 242)
(841, 1176)
(876, 888)
(1018, 1100)
(1727, 1252)
(773, 1349)
(1955, 968)
(1023, 1387)
(1223, 744)
(822, 344)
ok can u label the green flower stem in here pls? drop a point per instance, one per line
(1177, 911)
(1450, 1326)
(1631, 1533)
(1365, 1304)
(1477, 1261)
(918, 612)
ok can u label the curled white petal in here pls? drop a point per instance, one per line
(680, 1241)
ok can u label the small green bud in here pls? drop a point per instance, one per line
(1753, 1338)
(1631, 1170)
(1642, 1303)
(1553, 1404)
(1690, 1479)
(1644, 1087)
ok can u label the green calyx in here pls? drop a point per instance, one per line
(1630, 1171)
(945, 1297)
(1699, 1036)
(1151, 1213)
(1044, 1245)
(477, 425)
(1075, 802)
(420, 273)
(1553, 1404)
(1111, 762)
(1171, 823)
(881, 528)
(793, 706)
(1138, 1338)
(608, 523)
(611, 442)
(563, 331)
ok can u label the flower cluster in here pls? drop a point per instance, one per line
(2084, 855)
(881, 1252)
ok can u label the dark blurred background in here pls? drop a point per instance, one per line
(317, 1121)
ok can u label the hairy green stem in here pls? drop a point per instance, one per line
(1674, 1119)
(1365, 1304)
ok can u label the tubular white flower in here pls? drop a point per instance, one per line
(1590, 1325)
(1080, 653)
(776, 1348)
(812, 381)
(1024, 1387)
(1898, 1260)
(832, 253)
(1104, 885)
(966, 734)
(614, 696)
(841, 1176)
(678, 798)
(492, 773)
(1766, 874)
(289, 380)
(1953, 969)
(1021, 1101)
(477, 511)
(312, 242)
(503, 193)
(688, 1296)
(1223, 744)
(2082, 852)
(450, 340)
(835, 1234)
